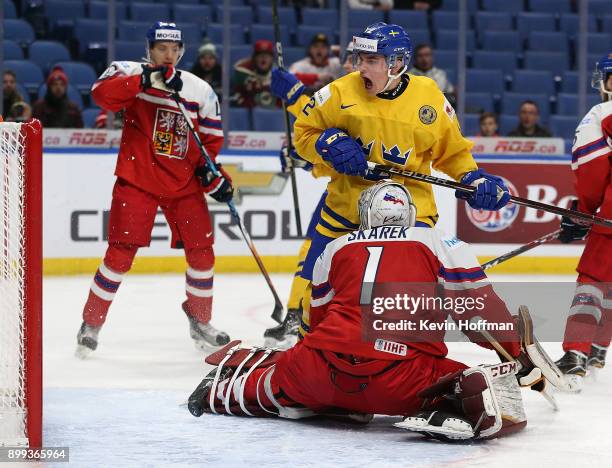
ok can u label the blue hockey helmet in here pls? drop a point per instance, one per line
(603, 68)
(162, 31)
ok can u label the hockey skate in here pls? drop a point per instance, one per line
(573, 364)
(205, 336)
(284, 335)
(87, 340)
(597, 358)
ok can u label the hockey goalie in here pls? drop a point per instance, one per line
(334, 371)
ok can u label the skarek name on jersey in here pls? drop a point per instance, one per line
(380, 233)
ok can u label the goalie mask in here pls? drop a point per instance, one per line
(386, 203)
(166, 32)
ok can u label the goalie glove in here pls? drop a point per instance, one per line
(219, 187)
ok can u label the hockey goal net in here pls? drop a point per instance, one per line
(21, 284)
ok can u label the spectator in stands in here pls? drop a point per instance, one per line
(20, 111)
(529, 116)
(252, 77)
(208, 68)
(384, 5)
(347, 64)
(423, 65)
(488, 125)
(318, 69)
(55, 109)
(10, 93)
(423, 5)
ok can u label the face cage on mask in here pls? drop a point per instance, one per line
(390, 60)
(365, 206)
(148, 46)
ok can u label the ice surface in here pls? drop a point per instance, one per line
(121, 406)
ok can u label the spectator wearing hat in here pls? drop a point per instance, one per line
(9, 92)
(207, 67)
(55, 109)
(318, 69)
(252, 77)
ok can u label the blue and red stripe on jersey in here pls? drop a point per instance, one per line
(461, 274)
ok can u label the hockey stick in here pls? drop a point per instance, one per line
(382, 169)
(523, 248)
(277, 314)
(279, 61)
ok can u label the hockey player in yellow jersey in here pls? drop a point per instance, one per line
(382, 114)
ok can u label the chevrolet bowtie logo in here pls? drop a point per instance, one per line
(254, 182)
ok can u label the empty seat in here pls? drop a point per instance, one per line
(80, 75)
(570, 24)
(306, 33)
(268, 120)
(201, 14)
(292, 55)
(563, 126)
(266, 31)
(286, 16)
(98, 9)
(133, 30)
(445, 20)
(29, 75)
(71, 91)
(569, 82)
(63, 12)
(476, 103)
(508, 6)
(321, 17)
(129, 50)
(238, 15)
(445, 59)
(214, 33)
(89, 117)
(533, 81)
(239, 119)
(511, 103)
(409, 19)
(471, 125)
(486, 81)
(555, 62)
(606, 23)
(89, 31)
(359, 18)
(599, 43)
(10, 11)
(453, 5)
(420, 36)
(507, 123)
(492, 20)
(504, 61)
(551, 6)
(190, 32)
(11, 50)
(46, 53)
(18, 30)
(150, 12)
(447, 39)
(567, 103)
(548, 41)
(239, 52)
(599, 7)
(507, 41)
(527, 22)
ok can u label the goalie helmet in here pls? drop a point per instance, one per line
(388, 40)
(603, 68)
(386, 203)
(167, 32)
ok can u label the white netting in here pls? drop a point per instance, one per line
(12, 262)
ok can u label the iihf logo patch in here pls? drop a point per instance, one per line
(495, 221)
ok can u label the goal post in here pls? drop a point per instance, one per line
(21, 284)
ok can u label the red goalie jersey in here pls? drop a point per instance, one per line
(157, 152)
(402, 257)
(591, 156)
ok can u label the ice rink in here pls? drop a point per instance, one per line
(121, 407)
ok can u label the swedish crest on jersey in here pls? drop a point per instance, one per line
(170, 134)
(427, 115)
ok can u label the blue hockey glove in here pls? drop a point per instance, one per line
(286, 86)
(571, 230)
(491, 193)
(342, 151)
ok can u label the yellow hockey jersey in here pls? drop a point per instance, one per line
(416, 130)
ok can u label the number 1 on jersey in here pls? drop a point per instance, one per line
(369, 275)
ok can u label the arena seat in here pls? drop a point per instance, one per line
(46, 53)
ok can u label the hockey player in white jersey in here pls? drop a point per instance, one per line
(589, 326)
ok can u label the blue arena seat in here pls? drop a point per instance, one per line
(511, 103)
(567, 103)
(129, 50)
(24, 93)
(10, 11)
(46, 53)
(555, 62)
(359, 18)
(599, 7)
(453, 5)
(89, 31)
(484, 81)
(476, 103)
(18, 30)
(306, 33)
(133, 30)
(446, 39)
(492, 20)
(98, 10)
(266, 31)
(238, 52)
(239, 15)
(11, 50)
(527, 22)
(71, 91)
(533, 82)
(239, 119)
(508, 6)
(507, 123)
(444, 20)
(321, 17)
(420, 36)
(286, 16)
(504, 61)
(563, 126)
(292, 55)
(268, 120)
(551, 6)
(445, 59)
(89, 117)
(201, 14)
(409, 19)
(569, 82)
(606, 23)
(214, 33)
(471, 125)
(63, 13)
(548, 41)
(149, 12)
(80, 75)
(507, 41)
(29, 75)
(570, 24)
(599, 43)
(191, 32)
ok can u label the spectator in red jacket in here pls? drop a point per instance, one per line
(55, 109)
